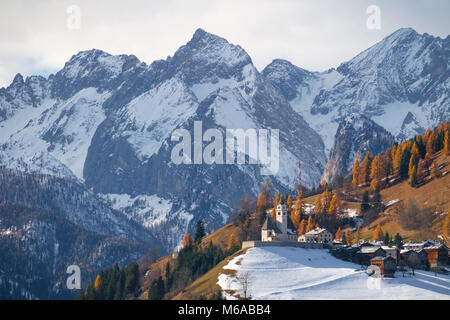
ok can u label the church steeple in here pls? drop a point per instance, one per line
(281, 217)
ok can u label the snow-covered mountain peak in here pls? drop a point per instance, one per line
(287, 77)
(85, 62)
(208, 58)
(18, 80)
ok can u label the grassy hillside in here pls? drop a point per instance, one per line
(218, 238)
(434, 195)
(206, 285)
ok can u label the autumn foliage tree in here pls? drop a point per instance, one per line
(338, 235)
(355, 172)
(302, 227)
(358, 235)
(309, 225)
(187, 240)
(447, 143)
(348, 237)
(446, 226)
(261, 203)
(377, 172)
(378, 234)
(231, 241)
(364, 169)
(289, 204)
(98, 282)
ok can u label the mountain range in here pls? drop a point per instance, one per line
(94, 139)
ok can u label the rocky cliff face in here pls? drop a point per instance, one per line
(401, 84)
(355, 137)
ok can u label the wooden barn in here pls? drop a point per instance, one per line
(437, 255)
(387, 265)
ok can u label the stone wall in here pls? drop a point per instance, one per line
(306, 245)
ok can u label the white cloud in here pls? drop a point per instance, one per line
(34, 38)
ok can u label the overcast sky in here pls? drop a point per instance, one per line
(38, 36)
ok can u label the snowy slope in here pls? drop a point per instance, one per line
(296, 273)
(61, 133)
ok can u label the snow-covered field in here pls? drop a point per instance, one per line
(296, 273)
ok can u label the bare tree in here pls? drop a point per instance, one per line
(245, 280)
(247, 204)
(413, 262)
(267, 190)
(411, 217)
(233, 216)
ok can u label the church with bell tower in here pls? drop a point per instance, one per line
(280, 228)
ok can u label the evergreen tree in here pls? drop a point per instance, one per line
(376, 200)
(404, 162)
(387, 239)
(199, 231)
(398, 240)
(119, 292)
(413, 177)
(131, 279)
(156, 290)
(365, 206)
(168, 282)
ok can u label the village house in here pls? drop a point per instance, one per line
(318, 235)
(366, 253)
(392, 251)
(418, 245)
(437, 255)
(407, 256)
(280, 228)
(387, 265)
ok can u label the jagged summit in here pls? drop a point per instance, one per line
(18, 79)
(208, 55)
